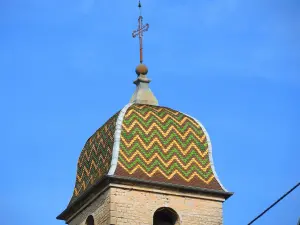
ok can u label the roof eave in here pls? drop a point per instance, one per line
(198, 190)
(74, 206)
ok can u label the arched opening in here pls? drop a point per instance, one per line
(165, 216)
(90, 220)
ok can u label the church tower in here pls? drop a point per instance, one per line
(147, 165)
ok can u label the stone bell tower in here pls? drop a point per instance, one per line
(147, 165)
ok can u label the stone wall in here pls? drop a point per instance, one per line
(129, 205)
(99, 209)
(136, 206)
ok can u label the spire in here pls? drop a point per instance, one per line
(142, 94)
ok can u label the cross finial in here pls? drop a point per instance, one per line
(142, 94)
(139, 32)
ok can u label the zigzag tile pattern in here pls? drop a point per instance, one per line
(161, 144)
(94, 160)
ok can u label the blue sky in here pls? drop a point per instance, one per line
(67, 66)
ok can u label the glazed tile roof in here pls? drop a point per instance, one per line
(150, 143)
(95, 158)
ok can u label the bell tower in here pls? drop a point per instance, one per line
(147, 165)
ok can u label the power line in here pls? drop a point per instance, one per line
(282, 197)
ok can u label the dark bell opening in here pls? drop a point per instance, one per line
(165, 216)
(90, 220)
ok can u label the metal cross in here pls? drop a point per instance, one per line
(139, 32)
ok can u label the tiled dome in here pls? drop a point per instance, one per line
(148, 143)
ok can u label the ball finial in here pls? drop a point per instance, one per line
(141, 69)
